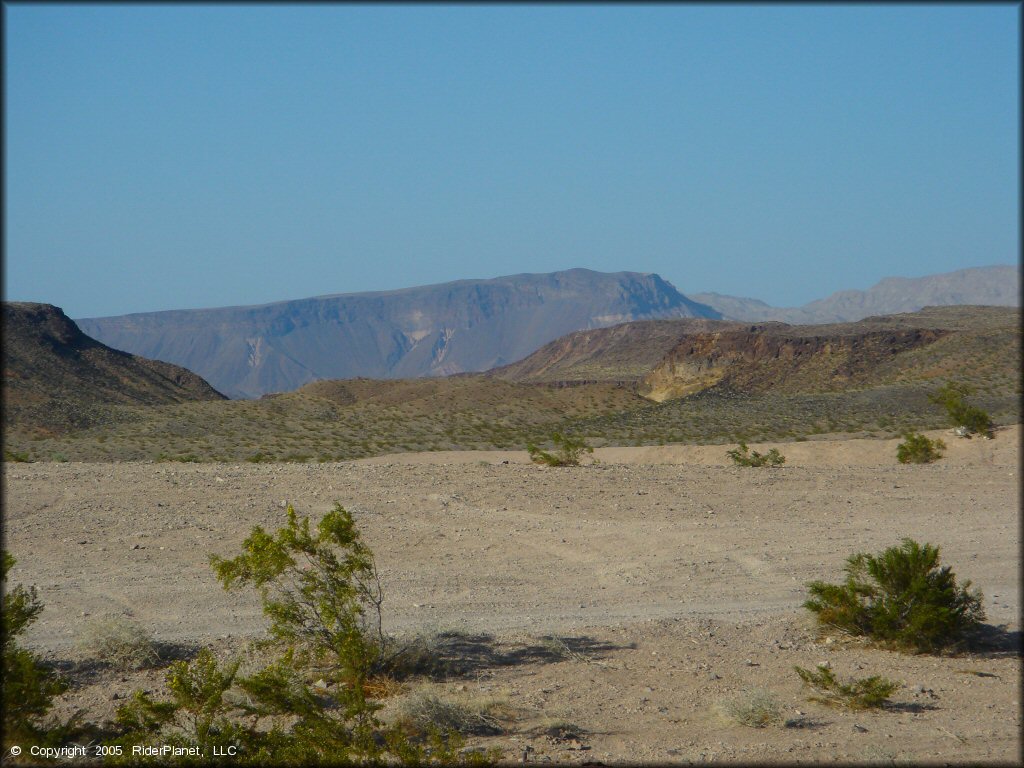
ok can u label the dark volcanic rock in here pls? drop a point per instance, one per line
(52, 368)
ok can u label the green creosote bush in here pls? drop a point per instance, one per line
(568, 451)
(320, 589)
(952, 397)
(744, 457)
(29, 685)
(867, 693)
(918, 449)
(197, 714)
(313, 704)
(900, 598)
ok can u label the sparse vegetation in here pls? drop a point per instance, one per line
(29, 685)
(295, 704)
(867, 693)
(316, 702)
(425, 712)
(119, 642)
(900, 597)
(952, 396)
(561, 730)
(755, 709)
(383, 686)
(919, 449)
(333, 419)
(568, 451)
(185, 458)
(426, 654)
(744, 457)
(240, 430)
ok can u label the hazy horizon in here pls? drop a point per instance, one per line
(287, 299)
(164, 157)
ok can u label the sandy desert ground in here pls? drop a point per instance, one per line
(673, 580)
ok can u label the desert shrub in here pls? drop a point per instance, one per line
(975, 421)
(427, 654)
(755, 709)
(952, 396)
(196, 714)
(900, 597)
(866, 693)
(556, 728)
(16, 456)
(321, 591)
(121, 643)
(29, 685)
(918, 449)
(568, 451)
(425, 712)
(744, 457)
(383, 686)
(184, 458)
(315, 702)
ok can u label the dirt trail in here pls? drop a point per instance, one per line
(678, 569)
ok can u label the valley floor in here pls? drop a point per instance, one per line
(631, 598)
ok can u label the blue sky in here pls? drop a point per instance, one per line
(174, 156)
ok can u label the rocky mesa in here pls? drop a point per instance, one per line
(434, 330)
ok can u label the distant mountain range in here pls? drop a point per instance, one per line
(996, 286)
(434, 330)
(476, 325)
(679, 380)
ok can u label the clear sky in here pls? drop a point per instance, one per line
(174, 156)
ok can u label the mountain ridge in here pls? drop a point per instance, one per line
(441, 329)
(669, 359)
(475, 325)
(54, 374)
(994, 285)
(648, 382)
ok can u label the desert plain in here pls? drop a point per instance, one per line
(613, 609)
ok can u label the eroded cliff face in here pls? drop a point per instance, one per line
(777, 357)
(622, 353)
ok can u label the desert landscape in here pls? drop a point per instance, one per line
(559, 384)
(607, 613)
